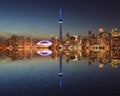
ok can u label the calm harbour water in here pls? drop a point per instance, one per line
(39, 77)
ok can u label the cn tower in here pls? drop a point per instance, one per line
(60, 22)
(60, 42)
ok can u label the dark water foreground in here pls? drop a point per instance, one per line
(39, 77)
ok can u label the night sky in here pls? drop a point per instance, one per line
(40, 17)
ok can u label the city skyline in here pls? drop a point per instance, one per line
(74, 47)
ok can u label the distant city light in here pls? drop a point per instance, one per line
(116, 29)
(101, 30)
(116, 66)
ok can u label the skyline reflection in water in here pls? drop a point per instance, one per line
(88, 70)
(33, 77)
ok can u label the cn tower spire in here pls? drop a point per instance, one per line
(60, 14)
(60, 22)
